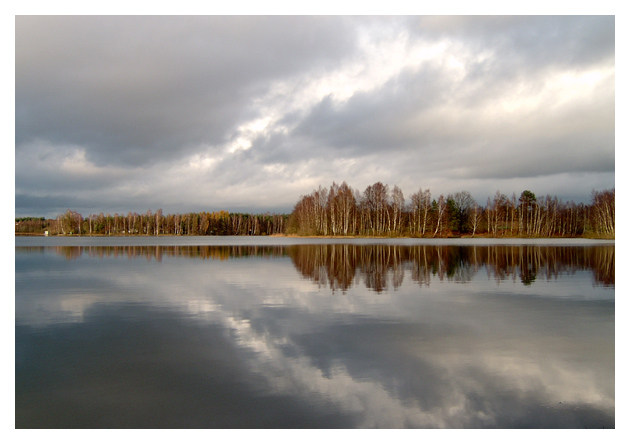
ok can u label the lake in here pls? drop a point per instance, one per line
(261, 332)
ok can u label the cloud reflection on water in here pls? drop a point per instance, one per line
(390, 350)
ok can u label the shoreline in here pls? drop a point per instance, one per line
(295, 236)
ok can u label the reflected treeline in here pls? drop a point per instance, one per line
(382, 266)
(529, 262)
(379, 267)
(158, 252)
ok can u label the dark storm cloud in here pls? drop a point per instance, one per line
(133, 90)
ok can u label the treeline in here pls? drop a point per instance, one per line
(219, 223)
(30, 225)
(379, 211)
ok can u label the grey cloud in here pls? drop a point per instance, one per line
(528, 42)
(277, 148)
(521, 48)
(386, 119)
(145, 96)
(133, 90)
(541, 158)
(50, 205)
(46, 206)
(436, 121)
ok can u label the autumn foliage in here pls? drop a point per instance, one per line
(340, 210)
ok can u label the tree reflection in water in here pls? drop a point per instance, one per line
(340, 266)
(376, 265)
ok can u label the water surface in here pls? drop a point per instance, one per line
(267, 333)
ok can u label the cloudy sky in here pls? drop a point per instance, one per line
(248, 113)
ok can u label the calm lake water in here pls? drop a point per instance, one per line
(309, 333)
